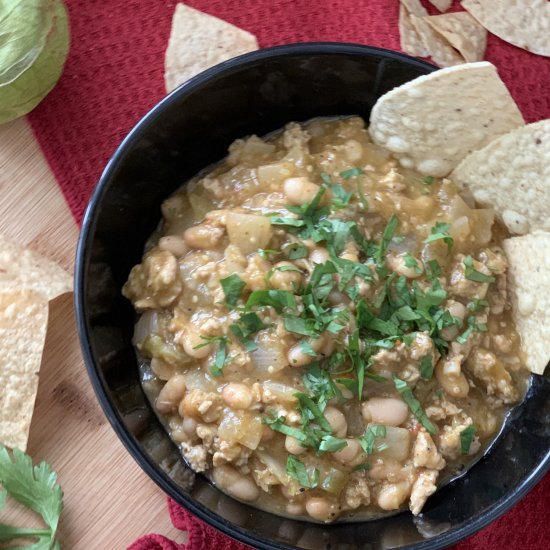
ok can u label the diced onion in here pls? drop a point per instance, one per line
(398, 441)
(241, 427)
(146, 325)
(248, 231)
(270, 357)
(280, 391)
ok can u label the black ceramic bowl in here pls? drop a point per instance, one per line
(188, 130)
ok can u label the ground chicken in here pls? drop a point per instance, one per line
(356, 492)
(203, 405)
(154, 283)
(449, 438)
(425, 453)
(442, 409)
(465, 288)
(423, 487)
(196, 455)
(264, 478)
(486, 367)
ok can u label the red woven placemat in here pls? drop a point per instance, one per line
(114, 74)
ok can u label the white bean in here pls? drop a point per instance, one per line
(337, 421)
(348, 453)
(295, 508)
(300, 190)
(171, 394)
(456, 309)
(389, 411)
(320, 509)
(298, 358)
(319, 256)
(292, 445)
(173, 244)
(235, 483)
(285, 280)
(456, 386)
(203, 236)
(191, 340)
(353, 150)
(237, 396)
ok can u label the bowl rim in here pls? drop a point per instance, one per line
(204, 513)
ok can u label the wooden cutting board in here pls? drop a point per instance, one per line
(109, 501)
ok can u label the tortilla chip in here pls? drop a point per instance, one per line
(512, 175)
(441, 52)
(528, 281)
(22, 269)
(524, 23)
(23, 322)
(411, 42)
(462, 32)
(441, 5)
(432, 123)
(199, 41)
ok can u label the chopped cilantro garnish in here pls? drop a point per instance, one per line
(351, 173)
(300, 325)
(232, 288)
(473, 326)
(363, 466)
(340, 197)
(277, 424)
(426, 367)
(466, 438)
(295, 251)
(248, 324)
(410, 261)
(268, 253)
(474, 275)
(428, 180)
(387, 236)
(221, 355)
(414, 405)
(440, 231)
(477, 305)
(311, 411)
(277, 299)
(368, 440)
(305, 346)
(306, 477)
(291, 222)
(331, 444)
(433, 269)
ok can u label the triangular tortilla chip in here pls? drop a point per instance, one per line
(441, 52)
(441, 5)
(22, 269)
(529, 284)
(23, 322)
(434, 121)
(524, 23)
(512, 175)
(199, 41)
(411, 42)
(462, 32)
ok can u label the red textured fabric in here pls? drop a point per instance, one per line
(114, 75)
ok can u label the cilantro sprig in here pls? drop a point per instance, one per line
(368, 440)
(414, 405)
(440, 231)
(473, 275)
(36, 488)
(466, 439)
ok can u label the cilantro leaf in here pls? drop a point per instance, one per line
(477, 305)
(34, 487)
(466, 438)
(414, 405)
(331, 444)
(306, 477)
(340, 197)
(295, 251)
(428, 180)
(221, 356)
(232, 288)
(410, 261)
(248, 324)
(368, 440)
(440, 231)
(474, 275)
(268, 253)
(290, 222)
(277, 299)
(351, 173)
(426, 367)
(387, 236)
(299, 325)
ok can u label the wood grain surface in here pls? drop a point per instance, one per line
(109, 501)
